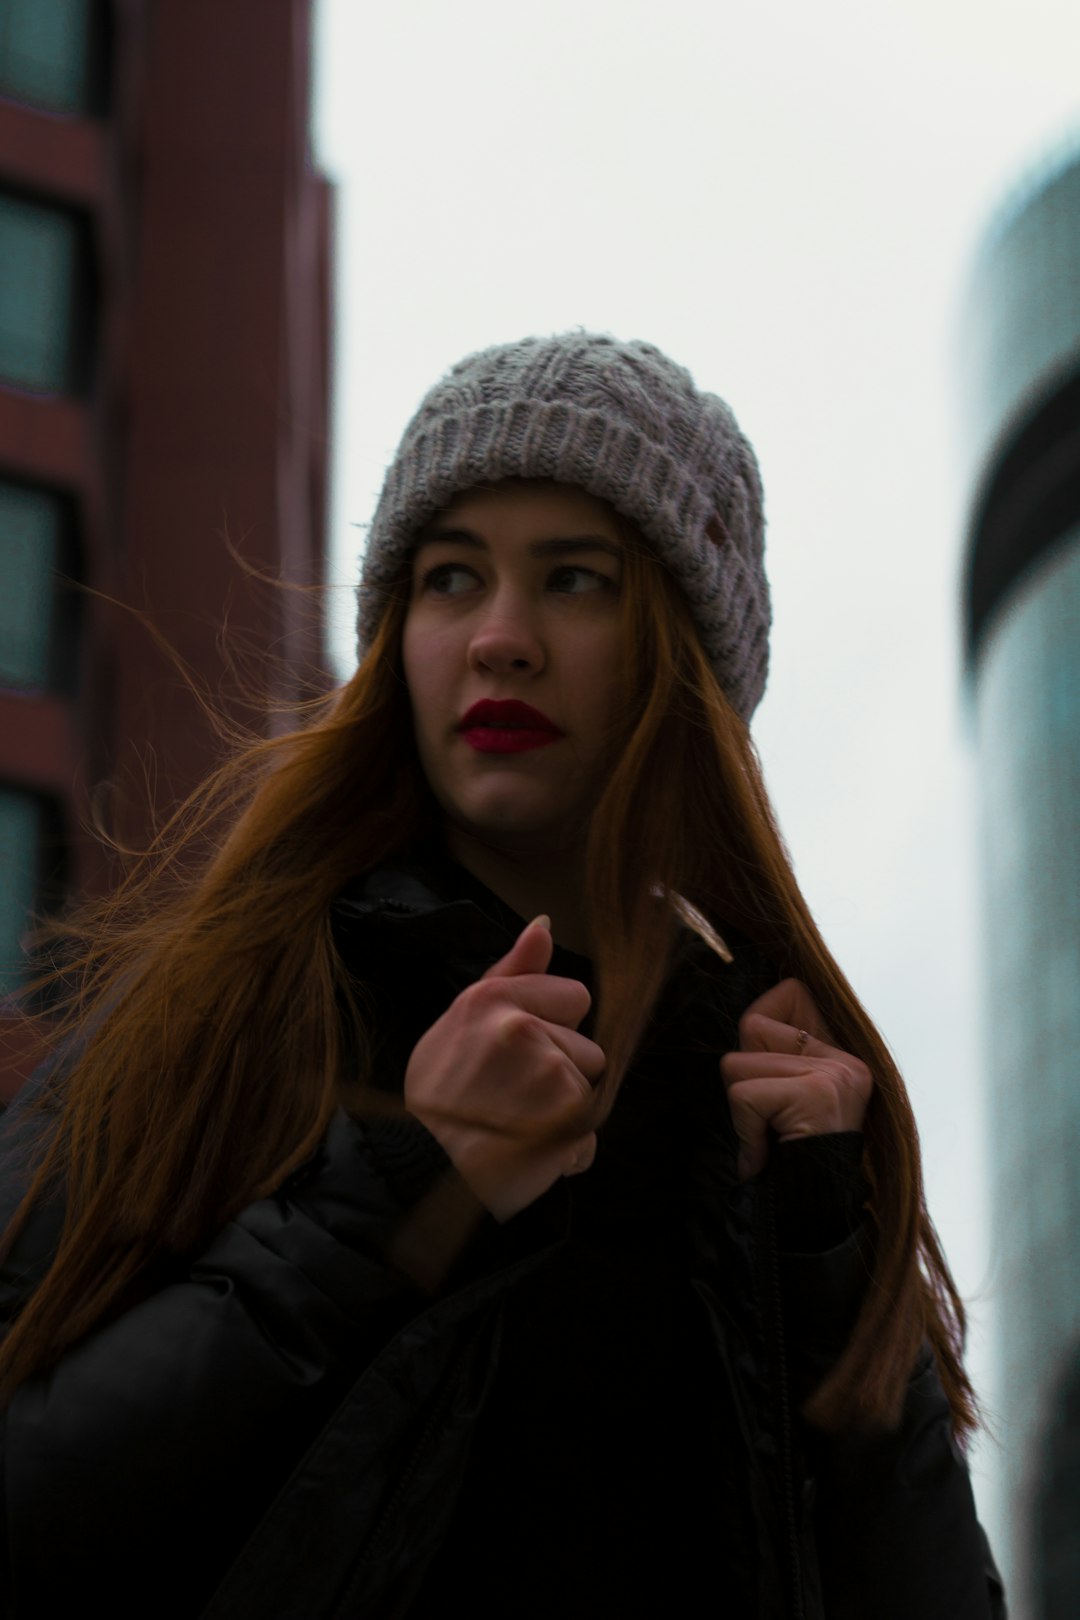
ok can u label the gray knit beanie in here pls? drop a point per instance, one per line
(622, 422)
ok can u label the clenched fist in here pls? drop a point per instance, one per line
(504, 1081)
(789, 1076)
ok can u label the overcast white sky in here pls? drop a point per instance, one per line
(787, 199)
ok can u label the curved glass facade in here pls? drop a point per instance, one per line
(1022, 633)
(1023, 324)
(1028, 727)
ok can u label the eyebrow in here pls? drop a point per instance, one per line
(555, 547)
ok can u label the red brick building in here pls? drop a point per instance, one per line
(164, 381)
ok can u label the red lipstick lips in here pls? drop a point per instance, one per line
(507, 726)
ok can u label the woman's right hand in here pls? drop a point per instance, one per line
(504, 1081)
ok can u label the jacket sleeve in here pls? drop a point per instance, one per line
(895, 1525)
(897, 1533)
(158, 1441)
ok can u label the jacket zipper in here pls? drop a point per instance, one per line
(771, 1271)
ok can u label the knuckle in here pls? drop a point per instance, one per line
(583, 1155)
(751, 1025)
(551, 1066)
(744, 1099)
(515, 1025)
(859, 1077)
(571, 1086)
(597, 1063)
(820, 1088)
(483, 993)
(849, 1074)
(583, 994)
(581, 1085)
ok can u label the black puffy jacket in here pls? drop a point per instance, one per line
(590, 1409)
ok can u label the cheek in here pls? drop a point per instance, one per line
(426, 675)
(412, 664)
(600, 675)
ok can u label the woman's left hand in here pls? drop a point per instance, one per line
(788, 1075)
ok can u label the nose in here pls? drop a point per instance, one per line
(506, 637)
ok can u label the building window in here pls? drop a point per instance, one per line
(43, 282)
(31, 527)
(21, 820)
(50, 54)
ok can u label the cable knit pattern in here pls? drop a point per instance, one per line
(626, 424)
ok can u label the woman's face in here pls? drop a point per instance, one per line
(515, 599)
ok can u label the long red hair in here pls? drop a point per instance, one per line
(208, 1015)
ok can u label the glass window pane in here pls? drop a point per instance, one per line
(20, 834)
(38, 261)
(30, 527)
(45, 52)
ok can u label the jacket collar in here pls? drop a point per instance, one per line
(424, 900)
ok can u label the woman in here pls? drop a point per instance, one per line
(377, 1251)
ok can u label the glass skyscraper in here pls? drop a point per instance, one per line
(1022, 610)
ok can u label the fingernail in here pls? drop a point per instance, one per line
(544, 920)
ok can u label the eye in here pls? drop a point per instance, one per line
(437, 579)
(593, 581)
